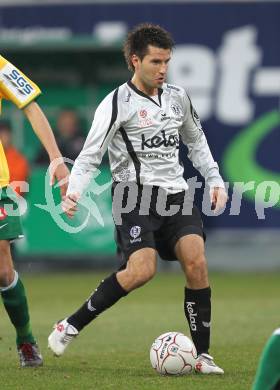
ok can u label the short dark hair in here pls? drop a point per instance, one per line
(143, 35)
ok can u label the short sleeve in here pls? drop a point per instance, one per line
(15, 86)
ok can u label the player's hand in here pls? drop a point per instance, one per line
(59, 171)
(69, 204)
(218, 197)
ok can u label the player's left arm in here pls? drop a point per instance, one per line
(201, 157)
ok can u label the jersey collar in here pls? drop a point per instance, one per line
(135, 89)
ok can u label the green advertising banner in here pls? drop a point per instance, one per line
(49, 233)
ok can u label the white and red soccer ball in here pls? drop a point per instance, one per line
(173, 353)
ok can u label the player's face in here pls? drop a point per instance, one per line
(150, 72)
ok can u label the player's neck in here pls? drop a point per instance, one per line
(150, 91)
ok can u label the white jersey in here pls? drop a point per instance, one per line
(142, 135)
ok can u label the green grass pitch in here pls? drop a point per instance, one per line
(113, 352)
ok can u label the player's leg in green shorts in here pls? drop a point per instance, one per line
(268, 373)
(11, 287)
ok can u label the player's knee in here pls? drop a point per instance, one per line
(7, 275)
(141, 275)
(147, 273)
(196, 267)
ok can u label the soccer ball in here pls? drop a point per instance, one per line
(173, 353)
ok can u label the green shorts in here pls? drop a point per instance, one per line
(10, 225)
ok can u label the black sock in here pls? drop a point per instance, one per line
(197, 307)
(107, 293)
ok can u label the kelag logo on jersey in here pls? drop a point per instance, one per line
(20, 81)
(156, 141)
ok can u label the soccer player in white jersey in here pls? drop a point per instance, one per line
(141, 123)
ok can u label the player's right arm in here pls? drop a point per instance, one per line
(105, 123)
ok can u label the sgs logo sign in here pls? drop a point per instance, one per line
(21, 82)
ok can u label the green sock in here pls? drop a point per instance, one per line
(268, 372)
(15, 303)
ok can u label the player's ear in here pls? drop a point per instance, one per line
(135, 60)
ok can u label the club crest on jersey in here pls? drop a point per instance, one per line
(135, 233)
(176, 109)
(143, 114)
(144, 120)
